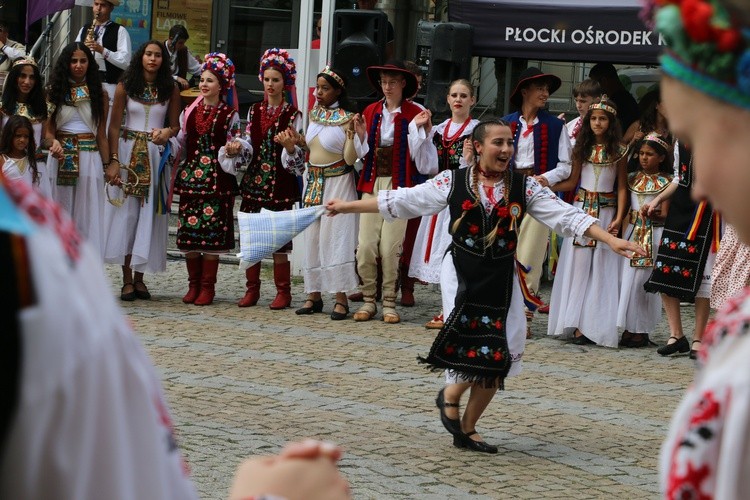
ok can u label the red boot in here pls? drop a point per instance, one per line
(282, 277)
(194, 279)
(208, 280)
(407, 288)
(252, 274)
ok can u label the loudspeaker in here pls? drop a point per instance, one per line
(447, 58)
(359, 40)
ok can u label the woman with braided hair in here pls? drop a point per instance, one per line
(266, 183)
(483, 338)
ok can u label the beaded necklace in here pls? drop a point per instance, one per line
(447, 139)
(269, 115)
(206, 116)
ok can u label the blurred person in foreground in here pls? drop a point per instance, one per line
(706, 95)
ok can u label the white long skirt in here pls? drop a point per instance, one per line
(515, 323)
(585, 294)
(135, 228)
(426, 266)
(638, 311)
(84, 201)
(331, 243)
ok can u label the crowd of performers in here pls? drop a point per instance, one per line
(439, 203)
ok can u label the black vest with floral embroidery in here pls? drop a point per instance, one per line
(473, 340)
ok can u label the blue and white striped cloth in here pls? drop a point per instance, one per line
(263, 233)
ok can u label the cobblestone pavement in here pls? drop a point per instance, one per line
(579, 422)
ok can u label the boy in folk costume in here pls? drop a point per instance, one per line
(542, 150)
(389, 164)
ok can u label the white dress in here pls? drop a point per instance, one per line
(330, 242)
(18, 168)
(84, 201)
(541, 203)
(135, 228)
(91, 420)
(638, 311)
(433, 232)
(585, 292)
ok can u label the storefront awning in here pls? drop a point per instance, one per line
(558, 30)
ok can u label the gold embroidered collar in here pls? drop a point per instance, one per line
(330, 116)
(78, 93)
(599, 155)
(643, 183)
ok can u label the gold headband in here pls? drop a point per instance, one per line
(24, 61)
(339, 80)
(654, 137)
(602, 106)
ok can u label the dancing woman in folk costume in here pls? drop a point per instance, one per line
(77, 134)
(639, 312)
(137, 231)
(585, 293)
(706, 95)
(482, 341)
(446, 146)
(266, 183)
(336, 138)
(23, 95)
(206, 181)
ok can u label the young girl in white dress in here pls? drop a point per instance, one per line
(639, 312)
(334, 144)
(585, 294)
(442, 146)
(137, 231)
(18, 151)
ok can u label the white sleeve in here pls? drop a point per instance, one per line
(229, 164)
(425, 199)
(563, 169)
(422, 149)
(676, 163)
(194, 67)
(79, 37)
(121, 58)
(293, 163)
(563, 218)
(14, 52)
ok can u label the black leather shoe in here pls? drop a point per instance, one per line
(317, 306)
(452, 425)
(337, 316)
(694, 352)
(582, 340)
(681, 345)
(480, 446)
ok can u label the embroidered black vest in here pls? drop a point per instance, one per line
(473, 340)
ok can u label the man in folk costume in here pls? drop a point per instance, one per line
(110, 44)
(389, 164)
(542, 150)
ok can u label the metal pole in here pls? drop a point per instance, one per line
(45, 34)
(506, 99)
(303, 58)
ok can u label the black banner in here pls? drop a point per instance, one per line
(559, 30)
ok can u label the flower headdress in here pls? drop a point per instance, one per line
(603, 105)
(223, 67)
(280, 60)
(23, 61)
(656, 138)
(707, 48)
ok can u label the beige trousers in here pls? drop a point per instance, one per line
(532, 247)
(378, 238)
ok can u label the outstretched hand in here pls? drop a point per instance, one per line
(359, 126)
(424, 119)
(335, 207)
(626, 248)
(287, 138)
